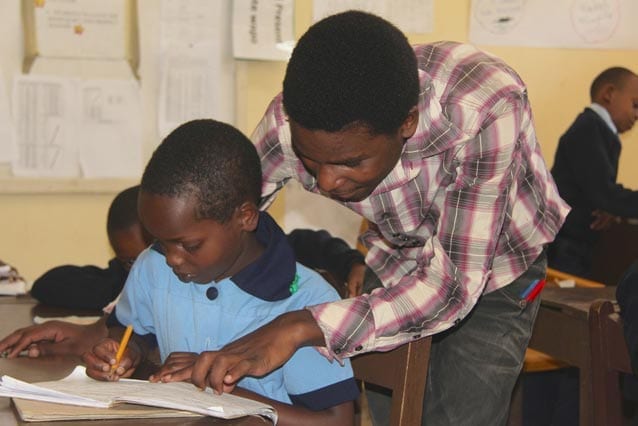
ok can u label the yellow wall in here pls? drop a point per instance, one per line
(40, 231)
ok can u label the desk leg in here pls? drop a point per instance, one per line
(585, 406)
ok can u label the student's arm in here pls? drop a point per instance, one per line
(293, 415)
(80, 287)
(54, 338)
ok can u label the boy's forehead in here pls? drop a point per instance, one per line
(167, 214)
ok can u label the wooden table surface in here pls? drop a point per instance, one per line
(18, 312)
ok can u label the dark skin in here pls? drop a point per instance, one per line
(63, 338)
(621, 102)
(54, 338)
(348, 166)
(199, 251)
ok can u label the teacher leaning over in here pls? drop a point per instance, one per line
(435, 146)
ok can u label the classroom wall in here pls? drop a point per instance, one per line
(39, 231)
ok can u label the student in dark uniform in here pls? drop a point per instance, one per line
(92, 287)
(586, 167)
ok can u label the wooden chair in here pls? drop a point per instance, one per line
(610, 358)
(536, 361)
(402, 370)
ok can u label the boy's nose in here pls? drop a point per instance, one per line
(173, 259)
(328, 179)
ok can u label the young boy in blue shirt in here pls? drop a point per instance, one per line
(219, 270)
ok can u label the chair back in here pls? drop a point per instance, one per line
(402, 370)
(610, 358)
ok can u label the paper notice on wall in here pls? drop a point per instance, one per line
(263, 29)
(82, 28)
(411, 16)
(197, 71)
(8, 147)
(44, 112)
(72, 127)
(599, 24)
(109, 133)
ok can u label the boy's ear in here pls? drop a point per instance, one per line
(248, 216)
(410, 123)
(607, 93)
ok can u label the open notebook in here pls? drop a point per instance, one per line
(99, 400)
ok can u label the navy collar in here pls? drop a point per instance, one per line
(270, 276)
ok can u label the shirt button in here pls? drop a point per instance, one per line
(212, 293)
(358, 348)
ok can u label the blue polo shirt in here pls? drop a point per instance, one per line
(196, 318)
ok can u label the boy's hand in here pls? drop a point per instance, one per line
(355, 279)
(101, 363)
(603, 220)
(178, 367)
(257, 353)
(52, 338)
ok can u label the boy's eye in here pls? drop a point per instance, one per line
(352, 163)
(190, 248)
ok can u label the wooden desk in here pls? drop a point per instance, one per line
(615, 252)
(18, 312)
(562, 331)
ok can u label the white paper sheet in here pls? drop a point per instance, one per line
(8, 147)
(197, 74)
(411, 16)
(81, 28)
(44, 110)
(263, 29)
(109, 131)
(600, 24)
(71, 127)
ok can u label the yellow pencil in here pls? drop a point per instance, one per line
(122, 348)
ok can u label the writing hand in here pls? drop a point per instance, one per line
(101, 358)
(178, 367)
(257, 353)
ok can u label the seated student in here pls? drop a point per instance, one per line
(585, 170)
(218, 270)
(91, 287)
(314, 249)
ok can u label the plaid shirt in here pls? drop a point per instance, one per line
(465, 211)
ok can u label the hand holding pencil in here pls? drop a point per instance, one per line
(109, 360)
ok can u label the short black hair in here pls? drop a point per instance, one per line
(210, 160)
(351, 68)
(614, 75)
(123, 210)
